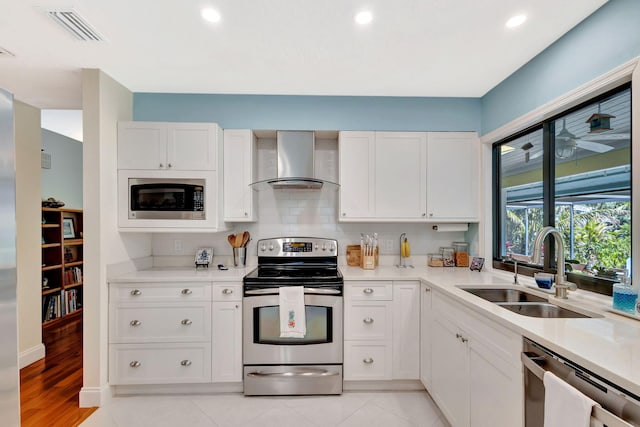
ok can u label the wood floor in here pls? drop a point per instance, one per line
(49, 387)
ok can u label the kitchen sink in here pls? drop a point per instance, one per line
(540, 309)
(524, 303)
(504, 295)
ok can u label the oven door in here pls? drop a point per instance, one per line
(261, 332)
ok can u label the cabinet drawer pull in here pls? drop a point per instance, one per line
(186, 362)
(458, 336)
(368, 360)
(135, 323)
(135, 364)
(367, 291)
(161, 165)
(186, 292)
(227, 291)
(136, 292)
(186, 322)
(427, 289)
(463, 339)
(368, 320)
(168, 165)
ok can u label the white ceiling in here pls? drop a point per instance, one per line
(457, 48)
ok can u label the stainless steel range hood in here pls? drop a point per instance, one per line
(295, 153)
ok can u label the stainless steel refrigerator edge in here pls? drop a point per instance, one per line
(9, 373)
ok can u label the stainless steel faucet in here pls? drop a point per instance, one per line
(562, 286)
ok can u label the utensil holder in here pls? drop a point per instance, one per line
(240, 257)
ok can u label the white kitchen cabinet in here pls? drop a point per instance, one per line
(450, 373)
(400, 175)
(474, 363)
(226, 341)
(239, 152)
(382, 330)
(425, 335)
(406, 330)
(453, 176)
(382, 176)
(356, 152)
(159, 333)
(168, 146)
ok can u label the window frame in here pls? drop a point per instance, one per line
(590, 283)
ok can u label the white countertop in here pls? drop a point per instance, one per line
(609, 346)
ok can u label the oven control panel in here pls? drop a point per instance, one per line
(298, 247)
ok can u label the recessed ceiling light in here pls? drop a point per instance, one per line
(364, 17)
(210, 15)
(516, 21)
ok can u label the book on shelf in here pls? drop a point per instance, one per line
(72, 275)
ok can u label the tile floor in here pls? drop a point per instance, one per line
(352, 409)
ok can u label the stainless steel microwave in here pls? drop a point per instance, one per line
(167, 198)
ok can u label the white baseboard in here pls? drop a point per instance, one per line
(383, 385)
(31, 355)
(94, 396)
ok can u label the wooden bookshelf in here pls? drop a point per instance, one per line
(62, 264)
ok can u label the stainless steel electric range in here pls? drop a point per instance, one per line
(293, 366)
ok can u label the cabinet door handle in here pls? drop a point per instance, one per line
(135, 323)
(431, 214)
(368, 320)
(186, 322)
(344, 214)
(367, 291)
(368, 360)
(424, 214)
(458, 336)
(161, 165)
(135, 364)
(136, 292)
(227, 291)
(463, 339)
(427, 289)
(168, 165)
(186, 292)
(186, 362)
(246, 214)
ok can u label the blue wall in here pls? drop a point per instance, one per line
(312, 112)
(603, 41)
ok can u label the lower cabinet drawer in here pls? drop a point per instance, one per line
(367, 360)
(364, 320)
(187, 322)
(159, 363)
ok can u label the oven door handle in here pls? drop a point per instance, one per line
(307, 291)
(306, 374)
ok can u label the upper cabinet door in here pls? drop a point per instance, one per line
(453, 174)
(167, 146)
(192, 146)
(400, 175)
(356, 162)
(239, 161)
(142, 145)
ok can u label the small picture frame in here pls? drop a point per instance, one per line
(476, 264)
(68, 228)
(204, 256)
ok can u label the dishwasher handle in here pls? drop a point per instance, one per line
(598, 412)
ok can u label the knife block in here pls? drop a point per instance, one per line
(355, 258)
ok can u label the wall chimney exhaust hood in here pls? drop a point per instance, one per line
(295, 154)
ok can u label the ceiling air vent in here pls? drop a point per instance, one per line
(4, 53)
(75, 24)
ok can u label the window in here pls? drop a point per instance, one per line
(572, 172)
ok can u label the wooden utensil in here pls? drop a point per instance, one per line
(231, 238)
(238, 242)
(245, 238)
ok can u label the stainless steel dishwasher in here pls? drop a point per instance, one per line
(619, 408)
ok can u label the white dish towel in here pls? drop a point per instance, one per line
(293, 323)
(565, 406)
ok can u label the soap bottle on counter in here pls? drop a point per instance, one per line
(625, 296)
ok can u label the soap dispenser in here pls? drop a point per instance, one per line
(625, 296)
